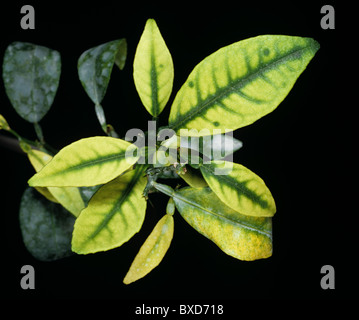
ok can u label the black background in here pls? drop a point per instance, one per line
(303, 150)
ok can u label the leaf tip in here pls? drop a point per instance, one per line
(32, 181)
(150, 22)
(127, 280)
(314, 45)
(76, 246)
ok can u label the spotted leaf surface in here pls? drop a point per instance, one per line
(240, 83)
(153, 69)
(46, 227)
(152, 251)
(31, 75)
(87, 162)
(114, 214)
(242, 237)
(239, 188)
(95, 66)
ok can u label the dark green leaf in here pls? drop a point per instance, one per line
(45, 226)
(95, 67)
(31, 76)
(88, 192)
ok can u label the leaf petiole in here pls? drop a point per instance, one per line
(39, 133)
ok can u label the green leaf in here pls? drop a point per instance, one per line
(87, 162)
(31, 76)
(88, 192)
(240, 236)
(114, 214)
(95, 67)
(45, 226)
(152, 251)
(153, 69)
(240, 83)
(239, 188)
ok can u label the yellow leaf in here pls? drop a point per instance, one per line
(193, 178)
(152, 251)
(242, 237)
(3, 123)
(69, 197)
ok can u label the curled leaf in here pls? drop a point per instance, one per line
(95, 67)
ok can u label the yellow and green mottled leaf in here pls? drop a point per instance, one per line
(87, 162)
(240, 83)
(152, 251)
(239, 188)
(153, 69)
(114, 214)
(3, 123)
(69, 197)
(240, 236)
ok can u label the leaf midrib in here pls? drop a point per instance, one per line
(230, 220)
(231, 182)
(129, 187)
(95, 162)
(240, 82)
